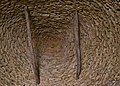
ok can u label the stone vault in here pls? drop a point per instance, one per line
(52, 34)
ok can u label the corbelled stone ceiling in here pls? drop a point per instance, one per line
(53, 39)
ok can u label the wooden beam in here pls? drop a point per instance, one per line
(77, 43)
(30, 43)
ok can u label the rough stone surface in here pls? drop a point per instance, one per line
(52, 35)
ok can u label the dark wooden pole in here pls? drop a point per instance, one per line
(77, 43)
(34, 59)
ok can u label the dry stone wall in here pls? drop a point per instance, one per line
(52, 35)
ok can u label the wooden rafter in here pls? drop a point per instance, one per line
(77, 43)
(34, 59)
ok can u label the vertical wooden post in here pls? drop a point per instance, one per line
(34, 59)
(77, 43)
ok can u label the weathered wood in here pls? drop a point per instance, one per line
(77, 43)
(34, 59)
